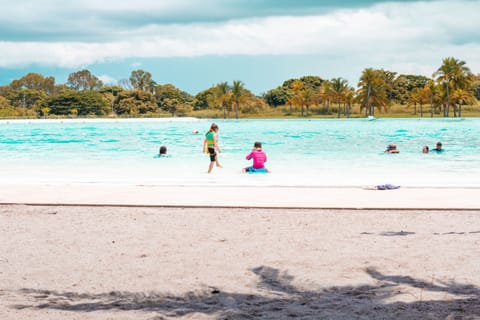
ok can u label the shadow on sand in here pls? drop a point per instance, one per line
(277, 298)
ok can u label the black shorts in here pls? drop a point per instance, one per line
(212, 153)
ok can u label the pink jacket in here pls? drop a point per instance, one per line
(259, 158)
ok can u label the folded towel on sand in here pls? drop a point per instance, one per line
(386, 187)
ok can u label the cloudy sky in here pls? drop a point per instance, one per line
(194, 44)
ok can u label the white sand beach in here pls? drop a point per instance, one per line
(133, 262)
(438, 198)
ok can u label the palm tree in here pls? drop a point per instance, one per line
(454, 74)
(372, 90)
(462, 97)
(297, 87)
(413, 98)
(349, 99)
(431, 90)
(423, 96)
(238, 92)
(303, 96)
(339, 89)
(326, 94)
(222, 96)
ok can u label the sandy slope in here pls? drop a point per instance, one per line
(147, 263)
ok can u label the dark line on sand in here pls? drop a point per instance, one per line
(231, 207)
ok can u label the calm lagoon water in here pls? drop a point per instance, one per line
(345, 152)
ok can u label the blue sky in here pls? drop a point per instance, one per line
(196, 44)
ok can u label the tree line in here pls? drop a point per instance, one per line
(451, 87)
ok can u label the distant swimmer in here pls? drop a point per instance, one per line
(438, 148)
(195, 132)
(392, 148)
(425, 149)
(162, 153)
(210, 145)
(259, 158)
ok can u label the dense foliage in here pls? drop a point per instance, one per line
(451, 89)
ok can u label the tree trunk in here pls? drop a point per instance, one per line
(224, 113)
(459, 110)
(368, 111)
(431, 105)
(447, 107)
(236, 110)
(455, 108)
(338, 111)
(302, 110)
(421, 110)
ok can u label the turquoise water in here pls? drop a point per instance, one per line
(300, 152)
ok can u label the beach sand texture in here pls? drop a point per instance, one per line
(83, 262)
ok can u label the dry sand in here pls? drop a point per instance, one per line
(61, 262)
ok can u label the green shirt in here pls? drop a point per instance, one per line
(209, 137)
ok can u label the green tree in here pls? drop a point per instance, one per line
(312, 82)
(86, 102)
(278, 96)
(111, 93)
(303, 96)
(83, 80)
(34, 81)
(431, 90)
(238, 95)
(136, 102)
(339, 89)
(142, 80)
(453, 74)
(222, 97)
(463, 97)
(389, 77)
(326, 95)
(203, 99)
(475, 86)
(172, 99)
(372, 91)
(26, 98)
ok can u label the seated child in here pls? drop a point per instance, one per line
(259, 158)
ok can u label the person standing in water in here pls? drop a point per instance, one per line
(210, 145)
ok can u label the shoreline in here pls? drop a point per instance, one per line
(213, 196)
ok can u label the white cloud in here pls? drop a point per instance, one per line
(411, 37)
(107, 80)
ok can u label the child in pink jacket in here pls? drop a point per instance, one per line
(259, 158)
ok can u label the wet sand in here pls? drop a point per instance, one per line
(107, 262)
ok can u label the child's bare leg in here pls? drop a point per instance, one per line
(218, 163)
(210, 167)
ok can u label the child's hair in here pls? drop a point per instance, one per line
(213, 127)
(163, 150)
(257, 145)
